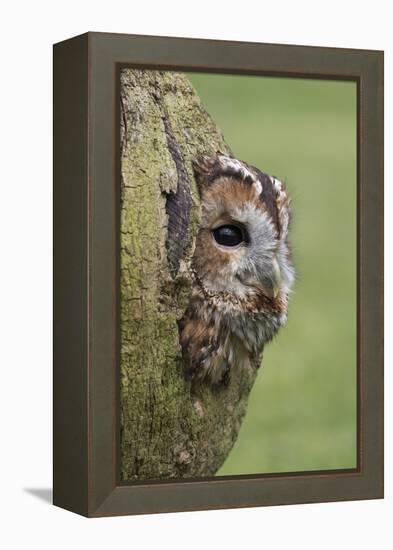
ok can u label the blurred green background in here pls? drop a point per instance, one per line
(302, 411)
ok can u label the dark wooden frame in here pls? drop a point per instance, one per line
(86, 255)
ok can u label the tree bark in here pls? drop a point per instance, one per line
(170, 428)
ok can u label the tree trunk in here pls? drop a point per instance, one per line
(169, 428)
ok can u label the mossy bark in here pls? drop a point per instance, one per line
(169, 427)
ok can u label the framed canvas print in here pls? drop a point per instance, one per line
(218, 274)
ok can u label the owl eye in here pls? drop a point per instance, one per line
(228, 235)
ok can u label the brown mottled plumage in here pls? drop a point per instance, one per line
(241, 267)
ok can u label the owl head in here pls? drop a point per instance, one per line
(241, 246)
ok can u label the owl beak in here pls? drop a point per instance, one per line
(271, 285)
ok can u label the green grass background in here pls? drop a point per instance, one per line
(302, 411)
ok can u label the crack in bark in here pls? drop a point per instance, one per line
(179, 204)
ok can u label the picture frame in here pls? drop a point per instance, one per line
(86, 274)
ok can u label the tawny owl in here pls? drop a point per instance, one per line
(242, 269)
